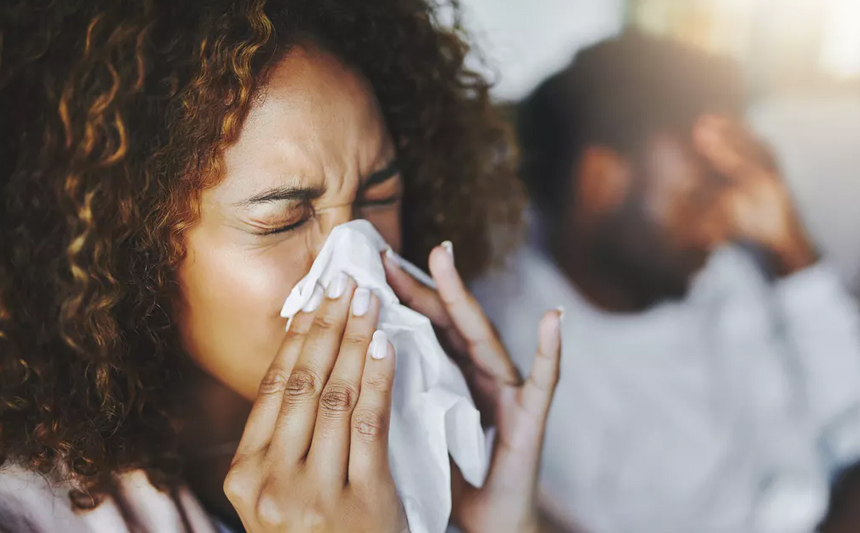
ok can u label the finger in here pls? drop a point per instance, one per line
(297, 417)
(713, 139)
(368, 449)
(540, 386)
(414, 294)
(751, 146)
(417, 296)
(485, 349)
(518, 448)
(261, 421)
(329, 454)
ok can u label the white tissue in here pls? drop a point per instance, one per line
(433, 414)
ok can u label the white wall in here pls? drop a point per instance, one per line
(527, 40)
(817, 140)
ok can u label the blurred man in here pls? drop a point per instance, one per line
(711, 374)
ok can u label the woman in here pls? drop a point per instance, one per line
(169, 170)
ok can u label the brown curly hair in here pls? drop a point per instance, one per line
(113, 114)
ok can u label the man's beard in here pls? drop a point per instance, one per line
(631, 253)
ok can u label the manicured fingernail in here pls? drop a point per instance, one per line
(393, 257)
(449, 247)
(360, 301)
(337, 286)
(379, 345)
(315, 300)
(560, 310)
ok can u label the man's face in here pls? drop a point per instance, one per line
(662, 232)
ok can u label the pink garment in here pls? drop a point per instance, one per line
(31, 503)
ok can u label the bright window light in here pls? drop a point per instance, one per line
(840, 51)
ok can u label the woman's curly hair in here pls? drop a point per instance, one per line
(113, 114)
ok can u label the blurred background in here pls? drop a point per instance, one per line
(801, 58)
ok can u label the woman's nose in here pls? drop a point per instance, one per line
(331, 219)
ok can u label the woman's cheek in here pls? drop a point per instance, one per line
(231, 326)
(269, 282)
(387, 223)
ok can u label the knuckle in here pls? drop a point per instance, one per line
(338, 398)
(312, 518)
(378, 383)
(355, 341)
(324, 323)
(294, 335)
(274, 382)
(303, 383)
(274, 512)
(268, 512)
(238, 486)
(369, 425)
(555, 376)
(450, 298)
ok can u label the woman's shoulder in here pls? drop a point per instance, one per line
(31, 502)
(34, 503)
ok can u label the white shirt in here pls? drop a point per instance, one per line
(726, 412)
(35, 503)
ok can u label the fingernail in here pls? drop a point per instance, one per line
(315, 300)
(560, 310)
(379, 345)
(360, 301)
(449, 247)
(337, 286)
(393, 257)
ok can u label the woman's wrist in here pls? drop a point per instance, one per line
(545, 524)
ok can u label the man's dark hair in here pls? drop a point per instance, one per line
(615, 94)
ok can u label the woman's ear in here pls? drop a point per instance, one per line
(602, 182)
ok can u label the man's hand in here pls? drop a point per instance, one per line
(756, 206)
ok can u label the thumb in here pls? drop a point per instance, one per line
(523, 410)
(538, 389)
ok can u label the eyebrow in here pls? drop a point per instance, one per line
(279, 194)
(381, 176)
(304, 194)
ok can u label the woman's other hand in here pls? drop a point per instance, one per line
(519, 408)
(314, 453)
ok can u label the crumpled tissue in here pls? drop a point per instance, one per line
(432, 412)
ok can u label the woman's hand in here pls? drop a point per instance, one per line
(314, 454)
(506, 502)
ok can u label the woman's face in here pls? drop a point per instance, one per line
(313, 153)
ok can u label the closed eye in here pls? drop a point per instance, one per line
(382, 189)
(288, 228)
(301, 214)
(381, 202)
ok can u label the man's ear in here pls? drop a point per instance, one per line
(603, 181)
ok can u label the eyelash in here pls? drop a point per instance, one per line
(289, 228)
(391, 200)
(384, 202)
